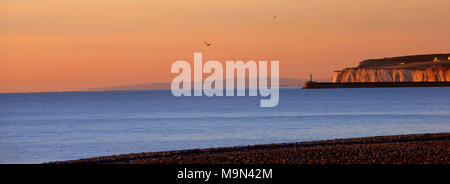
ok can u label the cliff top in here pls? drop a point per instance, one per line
(405, 61)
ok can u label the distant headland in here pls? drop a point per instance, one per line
(431, 70)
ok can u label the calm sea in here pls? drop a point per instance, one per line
(41, 127)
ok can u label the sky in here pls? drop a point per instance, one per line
(54, 45)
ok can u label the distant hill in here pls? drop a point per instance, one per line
(284, 82)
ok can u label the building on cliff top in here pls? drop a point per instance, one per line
(435, 59)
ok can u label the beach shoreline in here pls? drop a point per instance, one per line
(430, 148)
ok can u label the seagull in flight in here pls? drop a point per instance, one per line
(207, 44)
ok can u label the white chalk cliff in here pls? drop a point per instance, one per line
(384, 70)
(431, 74)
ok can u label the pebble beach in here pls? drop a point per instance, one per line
(430, 148)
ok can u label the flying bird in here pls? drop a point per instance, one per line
(207, 44)
(274, 16)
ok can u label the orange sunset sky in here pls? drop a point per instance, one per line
(63, 45)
